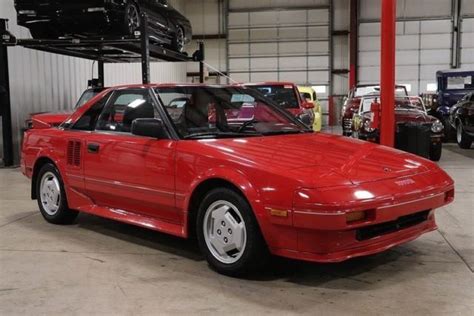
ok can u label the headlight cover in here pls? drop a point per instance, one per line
(437, 127)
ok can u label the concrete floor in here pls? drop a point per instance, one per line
(101, 267)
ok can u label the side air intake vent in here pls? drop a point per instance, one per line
(74, 153)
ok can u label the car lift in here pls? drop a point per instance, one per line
(102, 50)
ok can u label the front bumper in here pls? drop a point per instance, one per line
(324, 234)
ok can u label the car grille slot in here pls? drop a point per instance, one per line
(74, 153)
(393, 226)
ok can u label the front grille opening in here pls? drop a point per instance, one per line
(403, 222)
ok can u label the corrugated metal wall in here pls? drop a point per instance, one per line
(49, 82)
(281, 41)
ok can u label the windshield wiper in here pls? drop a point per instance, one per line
(219, 135)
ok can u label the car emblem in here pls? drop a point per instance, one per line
(404, 182)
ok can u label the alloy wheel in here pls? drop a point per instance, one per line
(133, 19)
(180, 39)
(50, 193)
(225, 233)
(459, 133)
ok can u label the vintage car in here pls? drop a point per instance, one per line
(353, 101)
(51, 19)
(287, 96)
(245, 189)
(408, 111)
(308, 94)
(461, 118)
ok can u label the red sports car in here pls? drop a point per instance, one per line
(288, 97)
(166, 157)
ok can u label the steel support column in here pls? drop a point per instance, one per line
(145, 45)
(387, 72)
(101, 73)
(354, 43)
(5, 104)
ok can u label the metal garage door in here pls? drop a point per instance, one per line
(280, 45)
(467, 43)
(423, 47)
(423, 42)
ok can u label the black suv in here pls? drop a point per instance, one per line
(51, 19)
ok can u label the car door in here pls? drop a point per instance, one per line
(127, 172)
(157, 11)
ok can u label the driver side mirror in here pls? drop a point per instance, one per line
(308, 105)
(149, 127)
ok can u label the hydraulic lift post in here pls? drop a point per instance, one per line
(387, 72)
(5, 104)
(145, 44)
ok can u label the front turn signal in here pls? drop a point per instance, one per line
(355, 216)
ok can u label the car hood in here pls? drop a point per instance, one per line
(407, 115)
(321, 160)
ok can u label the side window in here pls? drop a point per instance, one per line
(125, 107)
(88, 120)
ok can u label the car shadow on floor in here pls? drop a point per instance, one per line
(359, 274)
(356, 270)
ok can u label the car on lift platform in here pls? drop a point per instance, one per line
(245, 188)
(52, 19)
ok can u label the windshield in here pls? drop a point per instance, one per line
(400, 103)
(208, 112)
(375, 90)
(459, 82)
(283, 95)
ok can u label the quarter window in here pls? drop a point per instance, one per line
(88, 121)
(124, 108)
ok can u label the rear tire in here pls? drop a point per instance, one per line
(449, 131)
(463, 139)
(436, 151)
(178, 40)
(229, 235)
(51, 197)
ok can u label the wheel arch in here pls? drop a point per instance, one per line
(234, 181)
(39, 163)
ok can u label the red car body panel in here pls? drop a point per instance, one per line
(47, 120)
(315, 179)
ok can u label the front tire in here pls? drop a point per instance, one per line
(52, 200)
(463, 139)
(229, 235)
(436, 151)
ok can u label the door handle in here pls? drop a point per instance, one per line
(93, 148)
